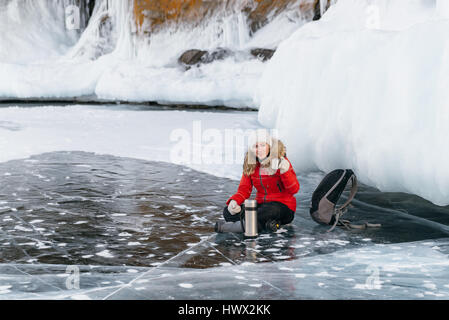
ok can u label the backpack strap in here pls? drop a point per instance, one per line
(337, 218)
(348, 225)
(344, 208)
(338, 212)
(335, 185)
(351, 195)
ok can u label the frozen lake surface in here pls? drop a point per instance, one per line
(138, 229)
(92, 190)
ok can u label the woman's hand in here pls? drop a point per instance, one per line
(233, 207)
(284, 165)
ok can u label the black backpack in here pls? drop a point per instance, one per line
(324, 208)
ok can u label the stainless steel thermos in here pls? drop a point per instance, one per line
(251, 219)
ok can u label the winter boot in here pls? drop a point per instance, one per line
(221, 227)
(272, 225)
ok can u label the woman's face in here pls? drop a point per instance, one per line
(261, 149)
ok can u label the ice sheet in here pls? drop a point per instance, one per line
(408, 271)
(128, 228)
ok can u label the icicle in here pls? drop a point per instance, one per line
(227, 31)
(124, 19)
(109, 31)
(235, 31)
(242, 30)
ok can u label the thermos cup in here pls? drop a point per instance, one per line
(251, 219)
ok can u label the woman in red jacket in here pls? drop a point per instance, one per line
(266, 168)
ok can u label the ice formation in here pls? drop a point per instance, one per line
(366, 88)
(109, 59)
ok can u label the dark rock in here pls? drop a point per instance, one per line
(317, 12)
(195, 56)
(256, 23)
(217, 54)
(192, 57)
(317, 9)
(263, 54)
(91, 6)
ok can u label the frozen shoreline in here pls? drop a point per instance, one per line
(93, 100)
(223, 83)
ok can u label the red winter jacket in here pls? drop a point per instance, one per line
(278, 187)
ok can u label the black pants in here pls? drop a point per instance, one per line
(267, 211)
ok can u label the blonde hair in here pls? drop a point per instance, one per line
(276, 151)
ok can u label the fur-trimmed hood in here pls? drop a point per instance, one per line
(277, 150)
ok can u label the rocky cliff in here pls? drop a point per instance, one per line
(152, 14)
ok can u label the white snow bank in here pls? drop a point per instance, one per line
(60, 79)
(195, 139)
(223, 83)
(366, 88)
